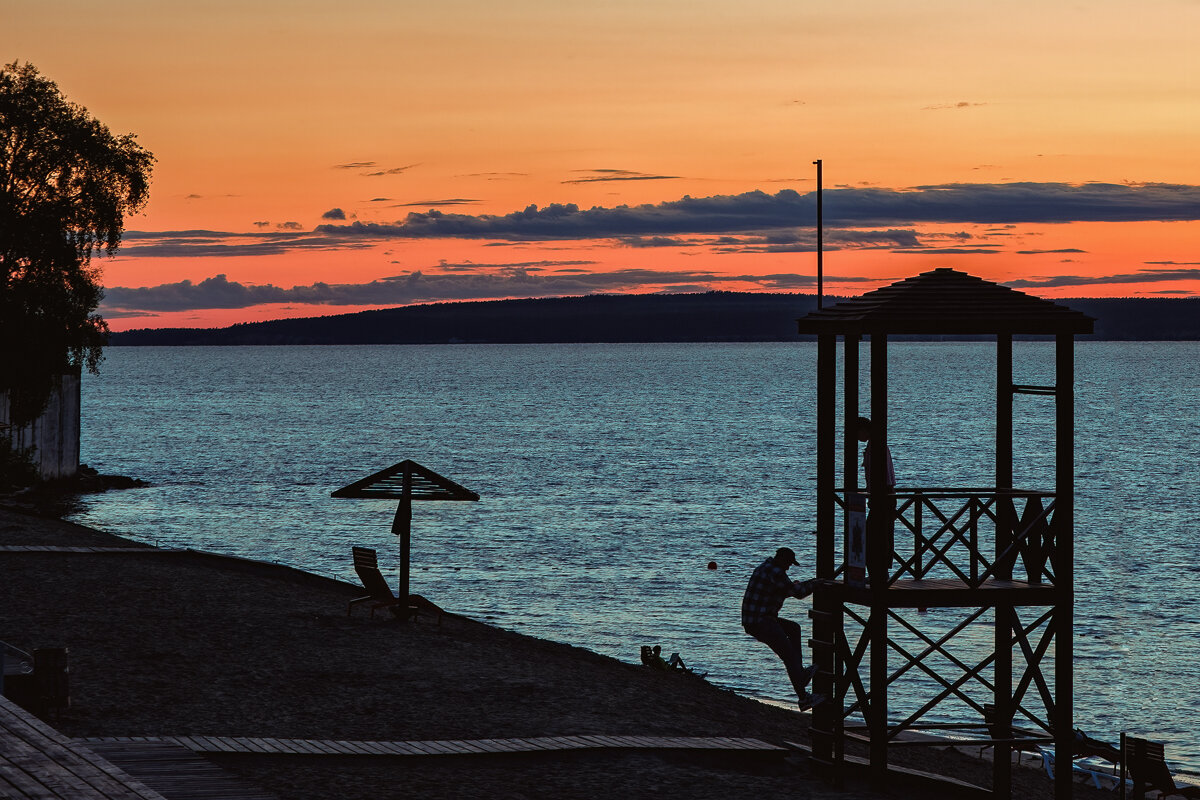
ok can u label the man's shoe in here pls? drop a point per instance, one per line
(807, 674)
(810, 700)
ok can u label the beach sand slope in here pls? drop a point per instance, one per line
(184, 643)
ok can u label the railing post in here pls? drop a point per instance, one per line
(973, 540)
(1064, 564)
(826, 460)
(919, 533)
(880, 546)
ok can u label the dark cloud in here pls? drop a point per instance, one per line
(204, 243)
(392, 171)
(418, 287)
(1141, 276)
(1044, 252)
(334, 213)
(600, 175)
(289, 226)
(655, 241)
(451, 201)
(194, 233)
(791, 281)
(806, 240)
(985, 204)
(471, 266)
(372, 165)
(261, 224)
(1012, 203)
(860, 217)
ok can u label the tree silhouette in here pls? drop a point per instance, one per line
(66, 185)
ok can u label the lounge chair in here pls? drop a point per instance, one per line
(1101, 777)
(366, 564)
(1145, 764)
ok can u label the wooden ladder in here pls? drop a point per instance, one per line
(828, 749)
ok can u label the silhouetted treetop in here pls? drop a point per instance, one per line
(66, 185)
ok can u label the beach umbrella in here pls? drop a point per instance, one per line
(406, 482)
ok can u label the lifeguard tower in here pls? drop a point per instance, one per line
(1000, 557)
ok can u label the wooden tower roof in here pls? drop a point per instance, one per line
(946, 301)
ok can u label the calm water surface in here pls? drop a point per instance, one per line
(610, 475)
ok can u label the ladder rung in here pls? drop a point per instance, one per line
(825, 615)
(821, 643)
(1026, 389)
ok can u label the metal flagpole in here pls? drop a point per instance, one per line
(820, 242)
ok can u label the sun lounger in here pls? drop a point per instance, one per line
(1098, 776)
(1146, 766)
(366, 564)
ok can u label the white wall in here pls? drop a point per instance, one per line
(55, 434)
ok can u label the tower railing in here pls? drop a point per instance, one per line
(970, 535)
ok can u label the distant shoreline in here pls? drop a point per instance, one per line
(612, 319)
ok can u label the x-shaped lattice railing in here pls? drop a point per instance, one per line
(1030, 535)
(851, 679)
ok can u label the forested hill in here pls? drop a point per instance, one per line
(709, 317)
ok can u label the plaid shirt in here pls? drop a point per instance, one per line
(769, 586)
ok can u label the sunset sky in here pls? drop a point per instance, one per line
(318, 158)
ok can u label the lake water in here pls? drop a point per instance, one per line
(610, 475)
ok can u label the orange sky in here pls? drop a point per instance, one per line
(1055, 142)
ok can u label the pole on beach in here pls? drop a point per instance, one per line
(820, 242)
(402, 527)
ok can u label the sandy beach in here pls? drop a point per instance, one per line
(185, 643)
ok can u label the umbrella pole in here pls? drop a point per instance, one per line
(402, 527)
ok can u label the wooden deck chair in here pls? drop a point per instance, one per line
(366, 564)
(1146, 766)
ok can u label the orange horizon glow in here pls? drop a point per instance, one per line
(267, 117)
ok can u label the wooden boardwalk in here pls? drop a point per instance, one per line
(451, 747)
(39, 763)
(177, 772)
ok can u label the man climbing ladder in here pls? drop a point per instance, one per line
(769, 586)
